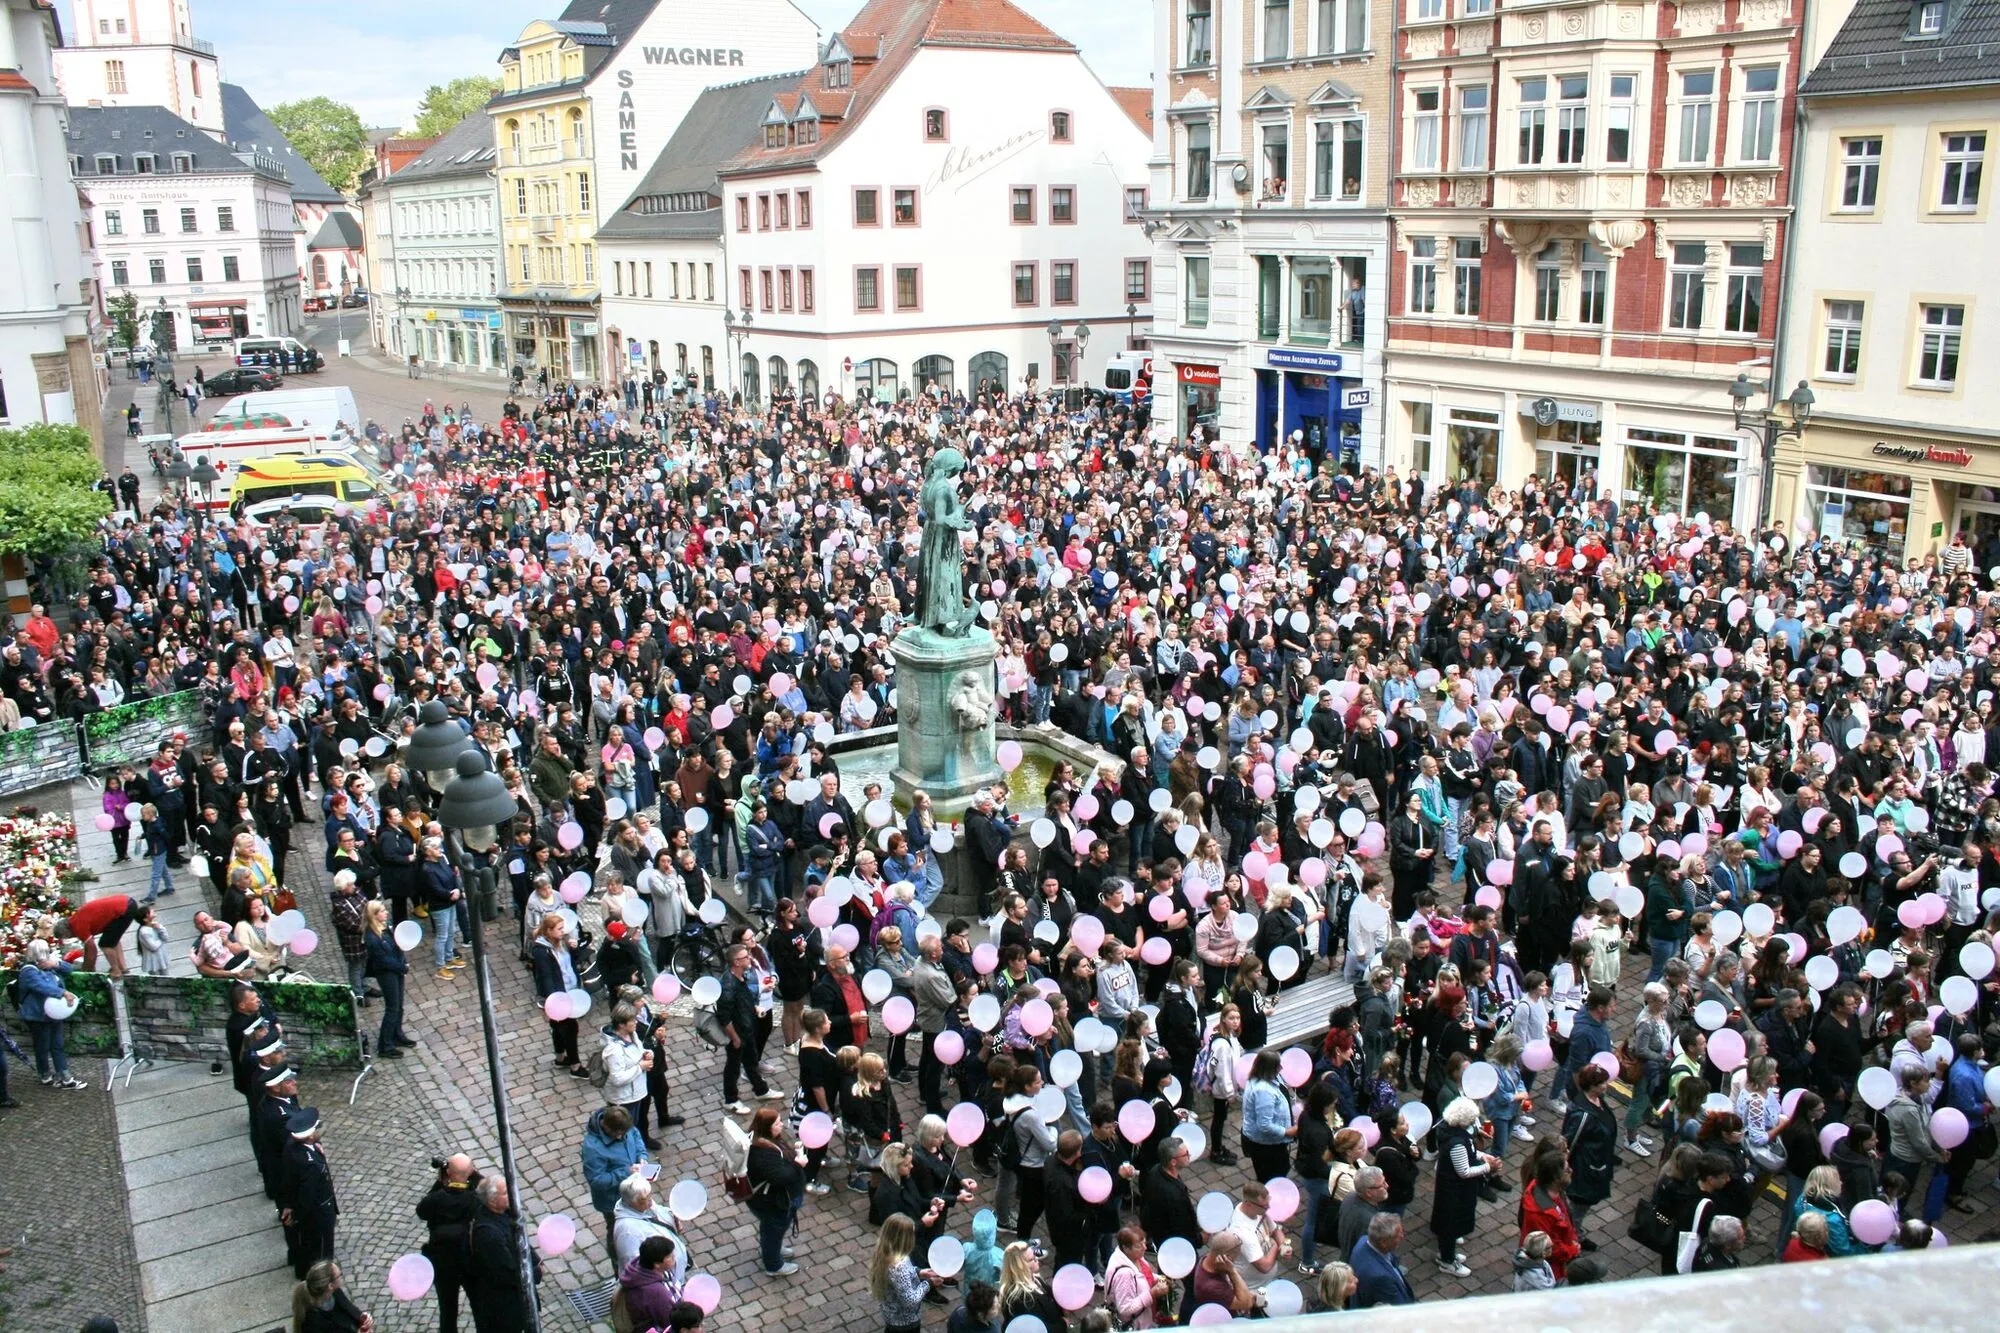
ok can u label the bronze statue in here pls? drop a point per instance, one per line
(941, 604)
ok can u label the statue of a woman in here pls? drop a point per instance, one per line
(941, 605)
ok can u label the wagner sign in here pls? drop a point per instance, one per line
(1929, 453)
(628, 110)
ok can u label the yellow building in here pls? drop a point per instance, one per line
(548, 204)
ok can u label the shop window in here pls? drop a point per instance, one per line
(1472, 446)
(1420, 437)
(1851, 505)
(1682, 474)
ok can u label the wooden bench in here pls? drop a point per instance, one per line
(1302, 1010)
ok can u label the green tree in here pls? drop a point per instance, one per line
(124, 312)
(329, 135)
(445, 105)
(47, 504)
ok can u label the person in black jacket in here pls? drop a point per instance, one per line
(777, 1184)
(1068, 1214)
(493, 1266)
(737, 1011)
(396, 853)
(1787, 1029)
(1166, 1209)
(306, 1201)
(386, 962)
(448, 1210)
(1180, 1019)
(1106, 1148)
(988, 838)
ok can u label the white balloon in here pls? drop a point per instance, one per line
(1244, 926)
(1710, 1015)
(1043, 831)
(1958, 995)
(876, 985)
(1822, 972)
(635, 911)
(714, 911)
(1194, 1138)
(947, 1256)
(1758, 918)
(1214, 1210)
(984, 1011)
(1047, 931)
(1282, 1298)
(1417, 1118)
(1284, 962)
(1727, 926)
(1877, 1086)
(1844, 924)
(1177, 1256)
(1050, 1104)
(706, 991)
(1065, 1069)
(1977, 959)
(1480, 1079)
(409, 935)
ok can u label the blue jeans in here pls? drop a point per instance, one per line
(1316, 1197)
(1503, 1131)
(444, 925)
(51, 1060)
(771, 1230)
(1664, 952)
(703, 844)
(763, 895)
(1454, 808)
(1039, 699)
(162, 880)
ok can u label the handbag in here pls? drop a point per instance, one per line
(709, 1028)
(1688, 1243)
(1630, 1066)
(283, 901)
(1651, 1227)
(1770, 1158)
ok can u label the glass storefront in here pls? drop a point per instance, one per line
(1472, 446)
(1564, 450)
(1680, 473)
(1200, 401)
(1852, 505)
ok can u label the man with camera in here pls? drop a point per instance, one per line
(448, 1210)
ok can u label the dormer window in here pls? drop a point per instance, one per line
(774, 136)
(1930, 18)
(143, 163)
(805, 131)
(183, 162)
(840, 73)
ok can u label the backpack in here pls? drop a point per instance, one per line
(599, 1071)
(1010, 1144)
(621, 1316)
(1204, 1066)
(736, 1161)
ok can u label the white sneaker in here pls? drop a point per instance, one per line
(1454, 1268)
(1525, 1120)
(770, 1095)
(1521, 1135)
(1637, 1148)
(736, 1108)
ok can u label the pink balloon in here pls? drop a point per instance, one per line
(1159, 906)
(569, 836)
(1264, 785)
(1949, 1126)
(816, 1130)
(1694, 844)
(949, 1048)
(1887, 846)
(1312, 872)
(1036, 1017)
(666, 988)
(1135, 1120)
(1829, 1136)
(488, 675)
(1795, 943)
(1814, 818)
(964, 1123)
(1933, 908)
(1072, 1286)
(291, 605)
(1284, 1197)
(105, 823)
(1537, 1055)
(1789, 843)
(574, 893)
(1488, 897)
(1241, 1072)
(1606, 1061)
(985, 957)
(383, 691)
(704, 1290)
(556, 1234)
(1873, 1222)
(1371, 1133)
(721, 716)
(828, 822)
(1081, 841)
(1500, 872)
(1086, 807)
(655, 738)
(1009, 755)
(780, 683)
(1156, 951)
(1725, 1049)
(898, 1012)
(303, 942)
(556, 1006)
(410, 1277)
(1911, 914)
(1085, 932)
(1094, 1184)
(1254, 865)
(846, 936)
(373, 606)
(1295, 1066)
(822, 913)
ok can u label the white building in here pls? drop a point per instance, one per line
(188, 224)
(49, 371)
(433, 264)
(1894, 300)
(665, 293)
(949, 196)
(141, 53)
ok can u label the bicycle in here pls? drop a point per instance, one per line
(697, 954)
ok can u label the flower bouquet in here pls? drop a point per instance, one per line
(36, 852)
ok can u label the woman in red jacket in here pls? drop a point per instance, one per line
(1545, 1206)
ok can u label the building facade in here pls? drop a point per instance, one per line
(200, 232)
(1270, 176)
(141, 53)
(1589, 207)
(666, 293)
(947, 197)
(51, 367)
(1893, 293)
(586, 102)
(433, 231)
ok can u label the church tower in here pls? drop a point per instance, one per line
(141, 53)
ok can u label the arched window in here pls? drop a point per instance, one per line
(933, 370)
(875, 380)
(808, 379)
(319, 270)
(514, 138)
(748, 387)
(780, 379)
(987, 373)
(576, 131)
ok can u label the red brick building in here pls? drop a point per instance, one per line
(1588, 217)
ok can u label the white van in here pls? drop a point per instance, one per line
(225, 449)
(330, 410)
(284, 352)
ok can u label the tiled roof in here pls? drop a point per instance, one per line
(896, 29)
(247, 127)
(122, 131)
(1136, 103)
(720, 123)
(1878, 50)
(466, 151)
(340, 231)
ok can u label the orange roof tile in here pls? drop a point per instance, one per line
(1136, 103)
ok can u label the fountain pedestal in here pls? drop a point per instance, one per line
(945, 715)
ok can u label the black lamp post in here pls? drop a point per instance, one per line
(204, 475)
(473, 803)
(1131, 325)
(1082, 335)
(178, 472)
(1772, 427)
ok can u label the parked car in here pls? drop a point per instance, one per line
(242, 379)
(305, 510)
(312, 305)
(353, 300)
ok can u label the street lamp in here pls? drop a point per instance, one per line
(542, 331)
(178, 472)
(737, 327)
(474, 802)
(1076, 371)
(1798, 407)
(204, 475)
(1131, 324)
(1055, 356)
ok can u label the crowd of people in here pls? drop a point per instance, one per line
(1481, 754)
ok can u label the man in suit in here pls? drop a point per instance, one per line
(306, 1202)
(1380, 1279)
(737, 1010)
(988, 838)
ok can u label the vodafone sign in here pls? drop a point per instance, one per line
(1204, 375)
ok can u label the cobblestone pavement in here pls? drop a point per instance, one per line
(62, 1206)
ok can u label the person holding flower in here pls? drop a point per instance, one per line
(43, 973)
